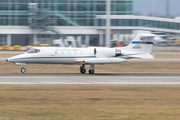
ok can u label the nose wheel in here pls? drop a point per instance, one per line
(23, 70)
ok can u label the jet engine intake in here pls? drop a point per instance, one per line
(118, 53)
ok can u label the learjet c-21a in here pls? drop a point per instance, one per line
(140, 47)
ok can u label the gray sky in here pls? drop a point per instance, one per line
(145, 7)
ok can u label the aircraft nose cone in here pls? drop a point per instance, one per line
(6, 60)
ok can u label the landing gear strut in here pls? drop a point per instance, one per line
(91, 70)
(82, 69)
(23, 70)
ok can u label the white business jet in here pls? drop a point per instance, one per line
(140, 47)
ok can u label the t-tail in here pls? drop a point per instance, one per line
(140, 46)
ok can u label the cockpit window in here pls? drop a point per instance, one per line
(32, 50)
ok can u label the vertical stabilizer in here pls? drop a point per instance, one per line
(143, 42)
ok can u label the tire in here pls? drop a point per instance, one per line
(91, 71)
(23, 70)
(83, 71)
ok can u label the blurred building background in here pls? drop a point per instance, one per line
(24, 22)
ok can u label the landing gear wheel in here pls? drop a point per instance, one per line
(83, 71)
(23, 70)
(91, 71)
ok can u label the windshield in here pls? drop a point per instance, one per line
(32, 50)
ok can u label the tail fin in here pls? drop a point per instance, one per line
(143, 42)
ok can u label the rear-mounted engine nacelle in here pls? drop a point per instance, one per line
(106, 52)
(118, 53)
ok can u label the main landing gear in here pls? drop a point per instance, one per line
(23, 70)
(83, 70)
(91, 70)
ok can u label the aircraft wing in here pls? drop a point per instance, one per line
(102, 60)
(82, 61)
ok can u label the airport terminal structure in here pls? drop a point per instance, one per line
(25, 22)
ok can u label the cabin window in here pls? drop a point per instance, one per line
(32, 50)
(81, 53)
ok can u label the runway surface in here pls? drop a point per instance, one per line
(88, 79)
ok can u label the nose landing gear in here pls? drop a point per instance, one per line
(23, 70)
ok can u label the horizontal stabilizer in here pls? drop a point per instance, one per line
(142, 56)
